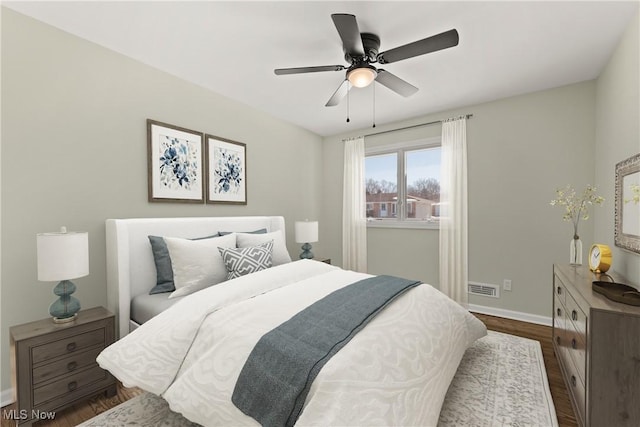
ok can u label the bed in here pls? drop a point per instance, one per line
(131, 270)
(200, 349)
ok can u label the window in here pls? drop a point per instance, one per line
(415, 201)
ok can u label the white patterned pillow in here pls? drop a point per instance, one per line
(241, 261)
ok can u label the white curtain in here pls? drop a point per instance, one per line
(354, 221)
(454, 273)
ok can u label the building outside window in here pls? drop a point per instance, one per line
(415, 200)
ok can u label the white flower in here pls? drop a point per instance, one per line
(576, 208)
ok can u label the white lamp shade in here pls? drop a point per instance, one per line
(306, 231)
(362, 77)
(62, 256)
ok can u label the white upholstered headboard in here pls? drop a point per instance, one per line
(131, 270)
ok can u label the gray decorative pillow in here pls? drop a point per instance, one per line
(241, 261)
(164, 269)
(260, 231)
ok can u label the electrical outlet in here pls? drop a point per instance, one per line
(506, 284)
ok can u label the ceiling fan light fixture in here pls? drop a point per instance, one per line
(362, 76)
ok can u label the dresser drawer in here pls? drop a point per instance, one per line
(74, 362)
(577, 392)
(68, 384)
(558, 313)
(69, 345)
(577, 351)
(559, 290)
(576, 315)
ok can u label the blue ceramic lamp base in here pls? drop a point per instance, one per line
(306, 252)
(64, 309)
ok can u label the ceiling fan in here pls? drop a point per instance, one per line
(361, 50)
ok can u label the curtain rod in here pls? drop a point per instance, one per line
(468, 116)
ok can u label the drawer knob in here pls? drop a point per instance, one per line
(71, 346)
(574, 315)
(72, 386)
(71, 366)
(558, 340)
(559, 290)
(573, 380)
(574, 343)
(559, 311)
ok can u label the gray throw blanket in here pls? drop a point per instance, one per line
(276, 378)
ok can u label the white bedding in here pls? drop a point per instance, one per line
(395, 371)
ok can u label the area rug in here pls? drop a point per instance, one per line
(501, 381)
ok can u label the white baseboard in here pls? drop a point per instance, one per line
(509, 314)
(6, 397)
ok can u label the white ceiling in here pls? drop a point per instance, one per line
(506, 48)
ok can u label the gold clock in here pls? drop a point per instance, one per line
(599, 258)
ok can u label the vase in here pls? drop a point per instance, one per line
(575, 251)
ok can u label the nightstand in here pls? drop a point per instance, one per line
(54, 365)
(325, 260)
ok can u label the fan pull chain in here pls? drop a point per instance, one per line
(348, 91)
(374, 103)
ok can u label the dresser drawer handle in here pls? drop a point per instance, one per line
(71, 366)
(558, 340)
(72, 386)
(559, 311)
(574, 315)
(574, 343)
(71, 346)
(559, 290)
(573, 380)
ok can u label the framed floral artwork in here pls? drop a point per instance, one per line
(175, 164)
(226, 171)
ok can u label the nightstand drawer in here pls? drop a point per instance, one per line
(66, 365)
(68, 384)
(68, 345)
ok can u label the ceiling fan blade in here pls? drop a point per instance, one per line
(300, 70)
(395, 83)
(430, 44)
(340, 93)
(347, 27)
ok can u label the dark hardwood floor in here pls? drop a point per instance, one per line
(84, 411)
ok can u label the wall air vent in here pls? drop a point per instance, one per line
(484, 289)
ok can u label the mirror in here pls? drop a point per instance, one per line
(627, 221)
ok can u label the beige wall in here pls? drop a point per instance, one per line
(617, 137)
(519, 150)
(74, 154)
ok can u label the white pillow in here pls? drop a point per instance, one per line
(197, 264)
(280, 253)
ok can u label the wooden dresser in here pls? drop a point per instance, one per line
(597, 343)
(54, 365)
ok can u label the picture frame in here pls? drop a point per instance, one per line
(627, 204)
(226, 171)
(175, 163)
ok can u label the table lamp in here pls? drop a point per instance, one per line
(63, 256)
(306, 232)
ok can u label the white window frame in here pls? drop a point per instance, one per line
(399, 149)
